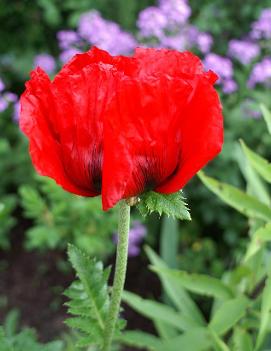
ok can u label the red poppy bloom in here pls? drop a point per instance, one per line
(119, 126)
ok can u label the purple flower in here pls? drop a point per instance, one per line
(125, 43)
(261, 73)
(221, 65)
(66, 55)
(204, 42)
(243, 50)
(152, 22)
(46, 62)
(176, 12)
(2, 85)
(176, 42)
(261, 29)
(90, 22)
(250, 109)
(105, 34)
(3, 104)
(137, 233)
(67, 38)
(10, 97)
(16, 111)
(229, 86)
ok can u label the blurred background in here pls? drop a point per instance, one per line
(38, 219)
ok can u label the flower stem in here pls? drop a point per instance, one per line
(120, 272)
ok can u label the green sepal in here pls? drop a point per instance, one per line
(172, 205)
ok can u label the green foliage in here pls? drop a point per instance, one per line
(88, 299)
(26, 339)
(199, 283)
(60, 217)
(239, 301)
(228, 314)
(267, 116)
(258, 163)
(169, 241)
(172, 205)
(7, 221)
(244, 203)
(265, 313)
(175, 291)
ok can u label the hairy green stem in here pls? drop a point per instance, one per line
(120, 272)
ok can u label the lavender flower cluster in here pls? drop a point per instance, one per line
(7, 98)
(165, 25)
(46, 62)
(136, 235)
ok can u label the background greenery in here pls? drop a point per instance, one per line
(49, 218)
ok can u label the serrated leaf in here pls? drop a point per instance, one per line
(157, 311)
(242, 202)
(228, 314)
(261, 165)
(89, 299)
(90, 273)
(32, 202)
(267, 116)
(172, 205)
(199, 283)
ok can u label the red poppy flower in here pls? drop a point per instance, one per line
(119, 126)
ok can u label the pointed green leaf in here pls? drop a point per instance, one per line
(261, 165)
(157, 311)
(197, 339)
(140, 339)
(242, 340)
(242, 202)
(255, 184)
(172, 205)
(164, 330)
(265, 313)
(199, 283)
(228, 314)
(260, 237)
(219, 344)
(267, 116)
(175, 291)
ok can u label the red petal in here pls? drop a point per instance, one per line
(97, 56)
(36, 121)
(168, 62)
(142, 136)
(202, 135)
(80, 102)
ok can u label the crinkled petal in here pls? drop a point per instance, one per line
(37, 122)
(168, 62)
(202, 135)
(142, 135)
(81, 99)
(127, 65)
